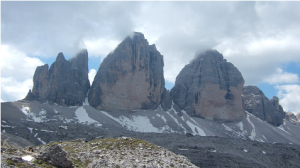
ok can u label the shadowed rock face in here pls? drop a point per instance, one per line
(210, 87)
(65, 83)
(129, 78)
(259, 105)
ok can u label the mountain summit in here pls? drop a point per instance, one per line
(129, 78)
(210, 87)
(64, 83)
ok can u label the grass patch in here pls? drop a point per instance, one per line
(43, 165)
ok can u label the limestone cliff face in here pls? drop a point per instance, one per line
(259, 105)
(129, 78)
(65, 82)
(210, 87)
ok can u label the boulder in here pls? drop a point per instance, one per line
(55, 156)
(258, 104)
(129, 78)
(210, 87)
(65, 82)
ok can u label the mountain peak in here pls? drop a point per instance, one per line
(209, 54)
(130, 78)
(210, 87)
(60, 57)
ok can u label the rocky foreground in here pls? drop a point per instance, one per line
(109, 152)
(173, 150)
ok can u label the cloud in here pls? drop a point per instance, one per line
(289, 96)
(12, 89)
(17, 70)
(92, 75)
(282, 77)
(46, 28)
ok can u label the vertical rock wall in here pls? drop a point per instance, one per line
(65, 82)
(129, 78)
(259, 105)
(210, 87)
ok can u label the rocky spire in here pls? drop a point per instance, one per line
(210, 87)
(258, 104)
(129, 78)
(65, 82)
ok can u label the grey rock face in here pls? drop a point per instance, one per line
(55, 156)
(129, 78)
(166, 100)
(295, 119)
(210, 87)
(259, 105)
(275, 102)
(65, 83)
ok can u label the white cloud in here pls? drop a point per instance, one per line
(17, 70)
(282, 77)
(13, 90)
(100, 47)
(92, 75)
(289, 96)
(17, 64)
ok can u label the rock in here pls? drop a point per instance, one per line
(210, 87)
(129, 78)
(98, 163)
(17, 159)
(295, 119)
(65, 83)
(30, 96)
(275, 102)
(166, 100)
(258, 104)
(55, 156)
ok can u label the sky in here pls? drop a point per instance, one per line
(261, 39)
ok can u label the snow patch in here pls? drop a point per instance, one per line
(138, 123)
(33, 117)
(44, 143)
(245, 150)
(64, 127)
(7, 126)
(47, 131)
(158, 108)
(263, 152)
(30, 129)
(281, 128)
(162, 117)
(183, 149)
(43, 112)
(227, 128)
(86, 100)
(25, 110)
(3, 131)
(264, 137)
(179, 124)
(27, 158)
(196, 130)
(110, 116)
(253, 133)
(83, 116)
(240, 125)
